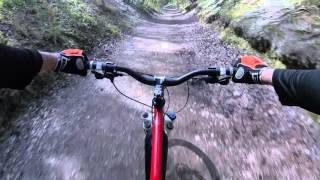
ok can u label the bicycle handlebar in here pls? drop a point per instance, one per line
(113, 69)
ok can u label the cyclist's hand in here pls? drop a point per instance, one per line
(249, 69)
(72, 61)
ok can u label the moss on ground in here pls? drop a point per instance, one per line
(314, 116)
(56, 24)
(242, 8)
(229, 36)
(237, 8)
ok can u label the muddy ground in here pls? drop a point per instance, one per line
(86, 130)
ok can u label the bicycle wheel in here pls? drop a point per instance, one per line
(205, 159)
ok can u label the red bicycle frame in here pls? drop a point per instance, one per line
(157, 140)
(157, 144)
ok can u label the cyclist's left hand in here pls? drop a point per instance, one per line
(249, 70)
(72, 61)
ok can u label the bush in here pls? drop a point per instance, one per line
(12, 3)
(3, 40)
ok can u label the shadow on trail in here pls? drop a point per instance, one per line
(183, 171)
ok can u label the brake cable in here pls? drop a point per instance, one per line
(132, 99)
(112, 76)
(168, 93)
(185, 105)
(144, 104)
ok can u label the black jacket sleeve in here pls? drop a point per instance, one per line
(298, 88)
(18, 66)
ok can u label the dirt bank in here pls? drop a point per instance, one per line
(287, 29)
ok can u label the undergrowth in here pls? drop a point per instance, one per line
(180, 4)
(53, 24)
(237, 8)
(156, 5)
(148, 7)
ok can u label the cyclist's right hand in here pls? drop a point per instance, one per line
(249, 70)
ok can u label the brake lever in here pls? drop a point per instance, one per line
(98, 75)
(208, 80)
(107, 75)
(213, 80)
(224, 81)
(112, 75)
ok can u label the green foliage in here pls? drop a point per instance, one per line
(155, 5)
(216, 7)
(208, 8)
(237, 8)
(241, 8)
(315, 117)
(229, 36)
(181, 4)
(3, 40)
(12, 3)
(148, 6)
(312, 2)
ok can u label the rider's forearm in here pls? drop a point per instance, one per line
(18, 66)
(50, 61)
(298, 88)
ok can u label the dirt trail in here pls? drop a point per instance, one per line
(89, 131)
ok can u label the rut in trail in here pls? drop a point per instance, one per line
(88, 131)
